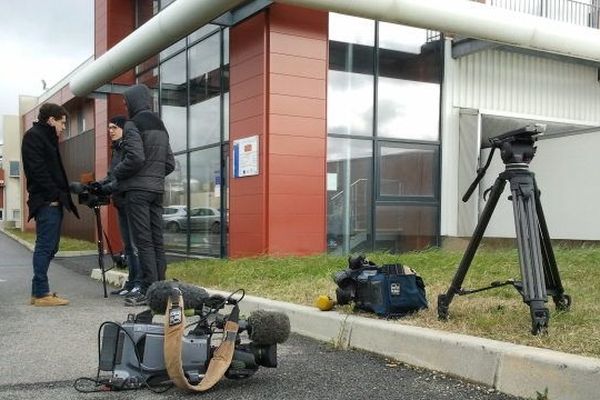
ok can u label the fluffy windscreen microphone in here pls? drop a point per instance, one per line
(158, 293)
(268, 327)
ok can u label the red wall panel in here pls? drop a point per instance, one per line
(278, 91)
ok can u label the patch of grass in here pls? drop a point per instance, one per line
(496, 314)
(66, 243)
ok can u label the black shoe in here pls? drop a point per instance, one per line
(139, 300)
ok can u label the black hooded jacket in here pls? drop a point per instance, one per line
(147, 156)
(43, 167)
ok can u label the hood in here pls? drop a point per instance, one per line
(137, 98)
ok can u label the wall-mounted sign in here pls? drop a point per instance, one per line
(245, 157)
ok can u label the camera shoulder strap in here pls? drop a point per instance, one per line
(221, 359)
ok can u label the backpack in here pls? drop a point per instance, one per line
(390, 291)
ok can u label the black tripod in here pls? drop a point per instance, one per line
(100, 241)
(539, 272)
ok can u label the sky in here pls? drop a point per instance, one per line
(41, 40)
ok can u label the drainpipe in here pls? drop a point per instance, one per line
(462, 17)
(168, 26)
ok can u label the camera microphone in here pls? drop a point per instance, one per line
(268, 327)
(158, 293)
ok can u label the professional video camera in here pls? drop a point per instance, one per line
(141, 353)
(90, 194)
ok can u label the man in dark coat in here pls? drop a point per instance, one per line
(110, 185)
(141, 177)
(48, 189)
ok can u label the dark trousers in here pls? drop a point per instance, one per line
(133, 264)
(145, 222)
(48, 220)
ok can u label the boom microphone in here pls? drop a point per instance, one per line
(194, 297)
(268, 327)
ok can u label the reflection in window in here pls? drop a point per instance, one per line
(345, 28)
(349, 103)
(174, 100)
(205, 198)
(408, 109)
(407, 171)
(150, 79)
(175, 207)
(205, 91)
(401, 37)
(348, 195)
(401, 228)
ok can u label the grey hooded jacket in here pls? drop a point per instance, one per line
(147, 156)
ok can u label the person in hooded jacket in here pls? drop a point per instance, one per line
(140, 176)
(110, 185)
(48, 190)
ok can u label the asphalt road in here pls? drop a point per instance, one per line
(43, 350)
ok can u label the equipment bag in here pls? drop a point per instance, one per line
(390, 290)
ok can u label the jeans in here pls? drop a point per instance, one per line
(48, 221)
(133, 264)
(145, 221)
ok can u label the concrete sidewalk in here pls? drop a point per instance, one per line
(509, 368)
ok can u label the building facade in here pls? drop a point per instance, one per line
(300, 131)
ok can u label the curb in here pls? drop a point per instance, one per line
(62, 254)
(509, 368)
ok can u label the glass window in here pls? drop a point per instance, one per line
(173, 97)
(407, 171)
(200, 33)
(146, 9)
(401, 228)
(205, 202)
(408, 109)
(349, 171)
(345, 28)
(14, 169)
(205, 90)
(172, 49)
(175, 207)
(349, 103)
(401, 38)
(150, 79)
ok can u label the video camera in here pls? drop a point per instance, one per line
(89, 192)
(136, 352)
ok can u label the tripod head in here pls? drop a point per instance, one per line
(516, 147)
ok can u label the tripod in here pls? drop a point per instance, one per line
(539, 272)
(100, 242)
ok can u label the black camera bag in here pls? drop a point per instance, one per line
(389, 290)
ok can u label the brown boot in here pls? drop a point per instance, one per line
(50, 300)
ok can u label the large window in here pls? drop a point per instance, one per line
(349, 192)
(383, 149)
(192, 81)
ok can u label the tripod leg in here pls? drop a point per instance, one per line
(445, 299)
(530, 249)
(100, 247)
(554, 285)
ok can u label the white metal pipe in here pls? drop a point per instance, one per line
(463, 17)
(475, 20)
(173, 23)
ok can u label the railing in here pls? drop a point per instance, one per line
(583, 13)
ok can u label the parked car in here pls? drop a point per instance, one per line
(175, 219)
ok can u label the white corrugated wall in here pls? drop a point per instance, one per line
(524, 84)
(507, 83)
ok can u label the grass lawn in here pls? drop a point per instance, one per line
(66, 243)
(496, 314)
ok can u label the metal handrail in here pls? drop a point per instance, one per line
(569, 11)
